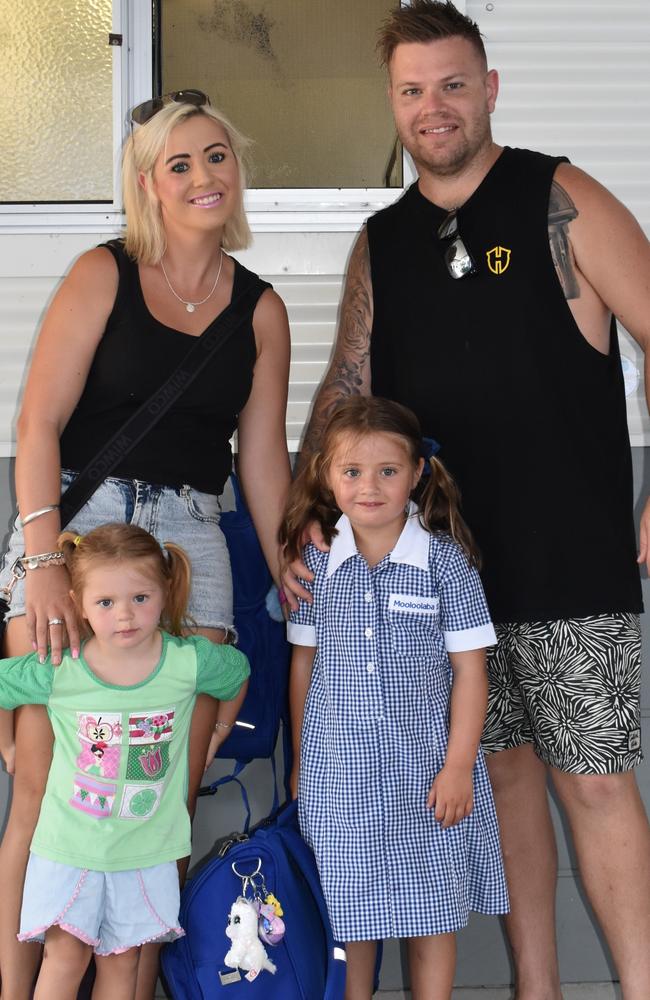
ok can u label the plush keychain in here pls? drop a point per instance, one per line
(246, 951)
(270, 927)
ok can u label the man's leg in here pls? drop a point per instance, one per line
(612, 840)
(519, 783)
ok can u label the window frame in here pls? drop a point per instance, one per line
(269, 209)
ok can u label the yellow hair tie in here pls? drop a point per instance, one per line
(77, 540)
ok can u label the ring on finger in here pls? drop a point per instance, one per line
(55, 621)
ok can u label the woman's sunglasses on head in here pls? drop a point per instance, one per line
(144, 112)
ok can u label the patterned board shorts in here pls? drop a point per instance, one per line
(572, 689)
(172, 514)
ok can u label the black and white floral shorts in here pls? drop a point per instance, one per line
(571, 688)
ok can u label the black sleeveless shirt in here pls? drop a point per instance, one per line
(190, 444)
(531, 418)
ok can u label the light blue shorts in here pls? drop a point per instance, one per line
(171, 514)
(111, 911)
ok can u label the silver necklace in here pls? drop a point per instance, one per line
(191, 306)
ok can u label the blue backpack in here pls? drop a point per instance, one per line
(262, 638)
(310, 964)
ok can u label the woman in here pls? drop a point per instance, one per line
(121, 321)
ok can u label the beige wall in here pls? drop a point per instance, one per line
(301, 79)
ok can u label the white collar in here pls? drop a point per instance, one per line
(412, 546)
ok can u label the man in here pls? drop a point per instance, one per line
(484, 299)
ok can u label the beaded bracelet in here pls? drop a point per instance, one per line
(222, 725)
(43, 559)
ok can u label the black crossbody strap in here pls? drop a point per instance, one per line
(147, 416)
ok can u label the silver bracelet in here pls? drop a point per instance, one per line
(38, 513)
(42, 559)
(222, 725)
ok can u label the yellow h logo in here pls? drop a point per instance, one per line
(498, 259)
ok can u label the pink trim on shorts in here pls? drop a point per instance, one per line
(178, 931)
(57, 922)
(75, 931)
(166, 929)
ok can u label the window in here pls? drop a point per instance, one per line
(56, 82)
(302, 79)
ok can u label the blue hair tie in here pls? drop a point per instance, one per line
(428, 448)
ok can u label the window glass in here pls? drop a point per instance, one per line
(56, 110)
(300, 77)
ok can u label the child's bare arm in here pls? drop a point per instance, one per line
(452, 791)
(302, 660)
(7, 746)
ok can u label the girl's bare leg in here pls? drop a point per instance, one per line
(65, 959)
(432, 964)
(116, 976)
(360, 969)
(202, 728)
(33, 738)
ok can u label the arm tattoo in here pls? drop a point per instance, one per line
(349, 370)
(562, 211)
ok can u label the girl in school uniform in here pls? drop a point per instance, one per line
(388, 697)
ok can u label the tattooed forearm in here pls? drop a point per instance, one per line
(349, 370)
(562, 211)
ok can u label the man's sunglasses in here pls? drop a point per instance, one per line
(144, 112)
(458, 259)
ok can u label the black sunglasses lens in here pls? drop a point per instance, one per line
(458, 259)
(195, 97)
(448, 227)
(146, 110)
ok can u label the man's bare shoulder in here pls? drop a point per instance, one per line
(583, 190)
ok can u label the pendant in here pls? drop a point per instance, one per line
(190, 307)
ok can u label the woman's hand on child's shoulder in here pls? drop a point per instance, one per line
(452, 794)
(296, 571)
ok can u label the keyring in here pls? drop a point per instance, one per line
(247, 875)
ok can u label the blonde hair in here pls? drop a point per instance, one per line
(310, 498)
(123, 543)
(145, 235)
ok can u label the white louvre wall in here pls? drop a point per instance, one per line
(575, 79)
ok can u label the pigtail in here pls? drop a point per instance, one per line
(439, 501)
(68, 542)
(174, 618)
(309, 500)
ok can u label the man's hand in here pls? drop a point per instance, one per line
(644, 537)
(452, 795)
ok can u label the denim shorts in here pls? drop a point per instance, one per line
(171, 514)
(111, 911)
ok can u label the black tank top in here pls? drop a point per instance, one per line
(531, 418)
(190, 443)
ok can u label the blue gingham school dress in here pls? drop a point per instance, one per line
(375, 736)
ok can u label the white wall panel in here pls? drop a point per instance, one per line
(574, 80)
